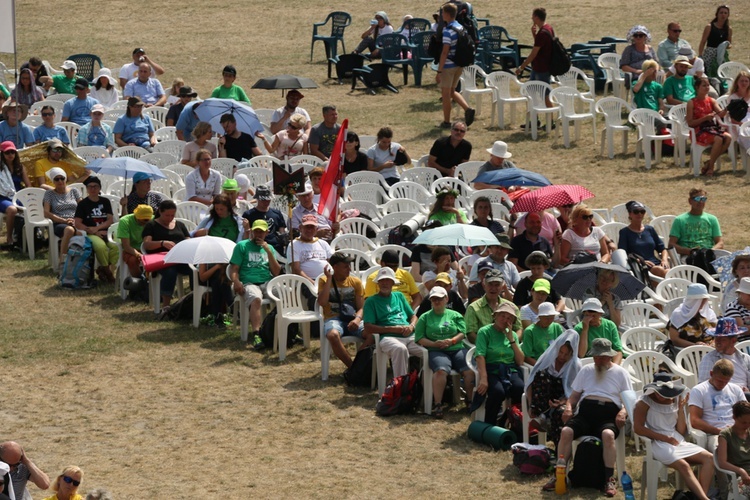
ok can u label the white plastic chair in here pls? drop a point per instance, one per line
(157, 113)
(113, 114)
(179, 195)
(120, 105)
(166, 134)
(308, 159)
(362, 260)
(161, 160)
(198, 292)
(635, 314)
(118, 188)
(535, 91)
(468, 170)
(610, 63)
(619, 213)
(262, 161)
(90, 153)
(326, 351)
(427, 378)
(691, 274)
(729, 70)
(358, 225)
(394, 219)
(286, 293)
(352, 241)
(63, 98)
(364, 207)
(30, 205)
(677, 115)
(366, 177)
(642, 339)
(734, 482)
(180, 169)
(645, 120)
(453, 183)
(566, 98)
(612, 230)
(72, 130)
(571, 78)
(471, 363)
(402, 205)
(33, 121)
(36, 108)
(644, 364)
(225, 166)
(129, 151)
(689, 359)
(373, 193)
(743, 346)
(672, 288)
(663, 225)
(173, 147)
(256, 176)
(469, 85)
(500, 82)
(366, 141)
(193, 211)
(612, 108)
(421, 175)
(264, 115)
(410, 190)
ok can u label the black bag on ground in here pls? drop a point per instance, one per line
(360, 373)
(268, 327)
(702, 258)
(182, 310)
(588, 464)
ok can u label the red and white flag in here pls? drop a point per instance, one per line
(329, 184)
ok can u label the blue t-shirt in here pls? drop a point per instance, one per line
(102, 136)
(450, 37)
(187, 120)
(20, 135)
(642, 244)
(79, 110)
(149, 92)
(134, 129)
(42, 133)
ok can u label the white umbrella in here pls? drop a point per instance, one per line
(202, 250)
(457, 235)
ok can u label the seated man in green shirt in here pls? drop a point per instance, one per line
(65, 83)
(696, 228)
(595, 326)
(129, 232)
(679, 88)
(253, 264)
(479, 313)
(537, 337)
(389, 314)
(228, 90)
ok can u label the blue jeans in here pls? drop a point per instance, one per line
(341, 328)
(169, 278)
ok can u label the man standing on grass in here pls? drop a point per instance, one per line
(696, 228)
(22, 469)
(448, 152)
(540, 58)
(448, 72)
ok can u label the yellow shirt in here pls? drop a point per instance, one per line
(42, 166)
(407, 286)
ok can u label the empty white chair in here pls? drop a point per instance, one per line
(308, 159)
(373, 193)
(358, 225)
(672, 288)
(262, 161)
(157, 113)
(403, 205)
(646, 121)
(421, 175)
(635, 314)
(72, 130)
(410, 190)
(90, 153)
(535, 93)
(570, 79)
(610, 63)
(129, 151)
(501, 82)
(161, 160)
(691, 273)
(225, 166)
(30, 206)
(642, 338)
(612, 230)
(355, 241)
(613, 108)
(566, 98)
(173, 147)
(166, 134)
(469, 85)
(729, 70)
(286, 293)
(468, 170)
(192, 210)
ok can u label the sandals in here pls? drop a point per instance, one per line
(707, 170)
(550, 485)
(437, 411)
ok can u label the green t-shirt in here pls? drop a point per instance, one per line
(234, 92)
(4, 91)
(447, 217)
(695, 231)
(680, 88)
(738, 450)
(607, 330)
(478, 314)
(536, 339)
(649, 96)
(494, 346)
(130, 229)
(253, 262)
(440, 327)
(224, 228)
(393, 310)
(64, 85)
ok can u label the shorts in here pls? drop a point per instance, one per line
(593, 418)
(341, 328)
(545, 77)
(253, 292)
(447, 360)
(59, 229)
(450, 77)
(5, 202)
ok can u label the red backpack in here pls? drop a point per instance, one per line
(401, 395)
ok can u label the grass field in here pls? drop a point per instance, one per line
(155, 410)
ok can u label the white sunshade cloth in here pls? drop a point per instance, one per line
(202, 250)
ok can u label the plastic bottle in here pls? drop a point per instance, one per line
(627, 486)
(561, 487)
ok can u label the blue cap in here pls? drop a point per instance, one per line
(141, 176)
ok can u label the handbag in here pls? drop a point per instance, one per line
(153, 262)
(737, 109)
(347, 313)
(400, 158)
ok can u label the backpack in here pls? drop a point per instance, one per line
(588, 464)
(401, 395)
(638, 268)
(268, 327)
(465, 48)
(78, 268)
(182, 310)
(530, 460)
(360, 373)
(702, 258)
(512, 419)
(560, 62)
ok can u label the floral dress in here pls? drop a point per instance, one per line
(544, 388)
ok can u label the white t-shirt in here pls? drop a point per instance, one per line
(130, 71)
(716, 405)
(588, 244)
(280, 112)
(312, 256)
(528, 314)
(697, 67)
(380, 156)
(615, 380)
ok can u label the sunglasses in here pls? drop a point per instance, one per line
(56, 150)
(58, 179)
(293, 127)
(72, 481)
(700, 199)
(642, 212)
(639, 35)
(460, 130)
(9, 152)
(676, 31)
(48, 114)
(587, 217)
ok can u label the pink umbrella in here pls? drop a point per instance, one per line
(551, 196)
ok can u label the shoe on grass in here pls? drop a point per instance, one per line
(610, 487)
(445, 125)
(258, 344)
(469, 116)
(550, 485)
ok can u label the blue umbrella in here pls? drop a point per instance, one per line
(211, 111)
(124, 167)
(507, 177)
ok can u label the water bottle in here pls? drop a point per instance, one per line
(627, 486)
(561, 487)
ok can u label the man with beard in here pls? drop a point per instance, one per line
(679, 88)
(596, 394)
(595, 326)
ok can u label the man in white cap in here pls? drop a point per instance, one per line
(679, 88)
(391, 316)
(595, 326)
(596, 395)
(499, 159)
(306, 206)
(309, 254)
(65, 83)
(78, 109)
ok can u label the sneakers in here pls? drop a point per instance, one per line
(610, 487)
(550, 485)
(258, 344)
(445, 125)
(219, 322)
(469, 116)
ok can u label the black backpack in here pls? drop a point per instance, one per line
(466, 46)
(560, 63)
(702, 258)
(588, 464)
(360, 373)
(268, 327)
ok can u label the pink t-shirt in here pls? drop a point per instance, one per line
(550, 226)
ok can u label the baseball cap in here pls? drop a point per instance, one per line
(541, 285)
(444, 278)
(187, 92)
(230, 185)
(69, 65)
(140, 176)
(309, 220)
(92, 179)
(81, 84)
(493, 275)
(387, 273)
(259, 224)
(484, 265)
(263, 193)
(506, 307)
(340, 257)
(230, 69)
(136, 51)
(97, 108)
(438, 291)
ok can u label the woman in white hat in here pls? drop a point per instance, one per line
(689, 323)
(660, 416)
(739, 309)
(105, 89)
(381, 25)
(60, 205)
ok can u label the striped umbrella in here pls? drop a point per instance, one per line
(551, 196)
